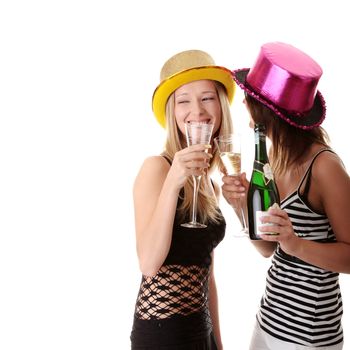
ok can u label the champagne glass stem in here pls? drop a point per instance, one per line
(196, 182)
(243, 218)
(241, 213)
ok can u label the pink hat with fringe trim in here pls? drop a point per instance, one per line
(285, 79)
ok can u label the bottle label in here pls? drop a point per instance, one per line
(258, 215)
(259, 137)
(268, 171)
(265, 169)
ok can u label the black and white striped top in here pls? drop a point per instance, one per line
(302, 303)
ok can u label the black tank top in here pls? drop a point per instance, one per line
(183, 275)
(179, 291)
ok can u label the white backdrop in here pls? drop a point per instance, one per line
(76, 81)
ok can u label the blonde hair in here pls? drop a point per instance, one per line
(207, 204)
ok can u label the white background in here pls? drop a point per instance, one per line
(76, 81)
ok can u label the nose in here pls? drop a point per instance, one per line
(197, 109)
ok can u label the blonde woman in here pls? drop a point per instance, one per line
(177, 307)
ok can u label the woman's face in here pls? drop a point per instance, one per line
(197, 101)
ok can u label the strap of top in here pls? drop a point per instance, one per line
(307, 174)
(167, 159)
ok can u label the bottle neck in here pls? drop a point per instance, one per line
(260, 144)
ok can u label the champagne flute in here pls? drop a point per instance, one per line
(197, 133)
(229, 147)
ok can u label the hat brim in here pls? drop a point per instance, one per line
(309, 120)
(169, 85)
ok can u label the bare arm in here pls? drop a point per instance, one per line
(156, 190)
(330, 191)
(266, 249)
(155, 198)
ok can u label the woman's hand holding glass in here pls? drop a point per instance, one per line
(229, 147)
(235, 188)
(190, 161)
(197, 133)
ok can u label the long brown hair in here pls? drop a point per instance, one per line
(207, 204)
(289, 143)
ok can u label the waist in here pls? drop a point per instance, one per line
(288, 257)
(173, 330)
(280, 254)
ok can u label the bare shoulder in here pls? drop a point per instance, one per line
(327, 165)
(153, 169)
(329, 169)
(155, 163)
(332, 185)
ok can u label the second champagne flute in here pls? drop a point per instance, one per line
(197, 133)
(229, 147)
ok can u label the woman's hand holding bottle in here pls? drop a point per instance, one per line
(278, 222)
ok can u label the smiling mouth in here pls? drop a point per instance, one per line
(204, 121)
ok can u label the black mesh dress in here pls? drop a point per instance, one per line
(172, 307)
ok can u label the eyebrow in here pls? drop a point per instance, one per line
(209, 91)
(203, 92)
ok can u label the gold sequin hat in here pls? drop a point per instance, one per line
(183, 68)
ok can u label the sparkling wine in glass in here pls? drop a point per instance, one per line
(229, 147)
(197, 133)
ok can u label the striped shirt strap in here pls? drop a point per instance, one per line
(307, 174)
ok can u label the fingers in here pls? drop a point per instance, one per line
(199, 147)
(195, 157)
(233, 191)
(233, 188)
(279, 225)
(193, 160)
(195, 152)
(237, 180)
(195, 148)
(196, 162)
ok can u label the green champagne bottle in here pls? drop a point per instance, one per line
(262, 192)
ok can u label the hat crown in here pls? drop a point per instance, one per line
(286, 76)
(185, 60)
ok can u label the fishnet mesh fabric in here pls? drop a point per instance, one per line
(176, 289)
